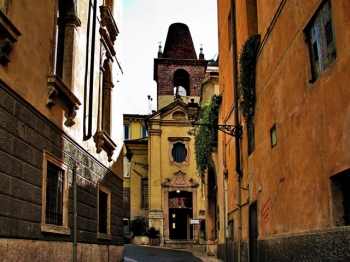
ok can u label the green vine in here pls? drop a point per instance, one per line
(205, 136)
(246, 87)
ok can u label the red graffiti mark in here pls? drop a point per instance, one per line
(265, 212)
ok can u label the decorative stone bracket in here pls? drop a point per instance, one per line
(104, 142)
(8, 36)
(55, 87)
(108, 31)
(107, 21)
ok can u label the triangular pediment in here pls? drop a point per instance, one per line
(174, 111)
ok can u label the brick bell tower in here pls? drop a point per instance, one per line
(177, 71)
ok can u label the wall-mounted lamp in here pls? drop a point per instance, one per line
(129, 154)
(192, 112)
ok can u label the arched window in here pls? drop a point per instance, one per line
(181, 83)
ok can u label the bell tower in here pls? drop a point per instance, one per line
(177, 70)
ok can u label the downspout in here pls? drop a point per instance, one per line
(91, 85)
(237, 139)
(225, 207)
(75, 213)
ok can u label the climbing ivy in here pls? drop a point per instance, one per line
(246, 87)
(205, 135)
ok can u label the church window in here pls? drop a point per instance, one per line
(179, 152)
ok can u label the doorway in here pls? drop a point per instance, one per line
(253, 233)
(180, 211)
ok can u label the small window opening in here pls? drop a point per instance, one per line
(54, 195)
(273, 135)
(126, 132)
(103, 202)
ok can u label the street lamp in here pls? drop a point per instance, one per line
(192, 112)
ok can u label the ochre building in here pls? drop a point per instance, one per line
(285, 185)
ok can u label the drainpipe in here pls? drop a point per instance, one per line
(75, 213)
(225, 171)
(237, 140)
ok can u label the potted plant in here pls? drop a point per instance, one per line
(138, 226)
(153, 235)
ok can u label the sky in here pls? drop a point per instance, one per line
(144, 24)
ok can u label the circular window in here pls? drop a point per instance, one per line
(179, 152)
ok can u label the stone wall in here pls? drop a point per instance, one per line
(17, 250)
(326, 245)
(24, 135)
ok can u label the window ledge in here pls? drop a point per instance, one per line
(55, 229)
(8, 36)
(104, 236)
(104, 142)
(55, 88)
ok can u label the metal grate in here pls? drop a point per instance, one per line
(54, 195)
(144, 189)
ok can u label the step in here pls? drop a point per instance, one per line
(182, 243)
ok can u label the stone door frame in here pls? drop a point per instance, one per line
(178, 182)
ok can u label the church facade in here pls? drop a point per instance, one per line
(176, 202)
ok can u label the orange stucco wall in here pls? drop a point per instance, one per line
(291, 181)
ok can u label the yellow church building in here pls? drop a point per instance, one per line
(166, 172)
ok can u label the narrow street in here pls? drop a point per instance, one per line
(133, 253)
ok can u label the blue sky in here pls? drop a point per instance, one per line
(145, 23)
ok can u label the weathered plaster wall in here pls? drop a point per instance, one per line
(291, 181)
